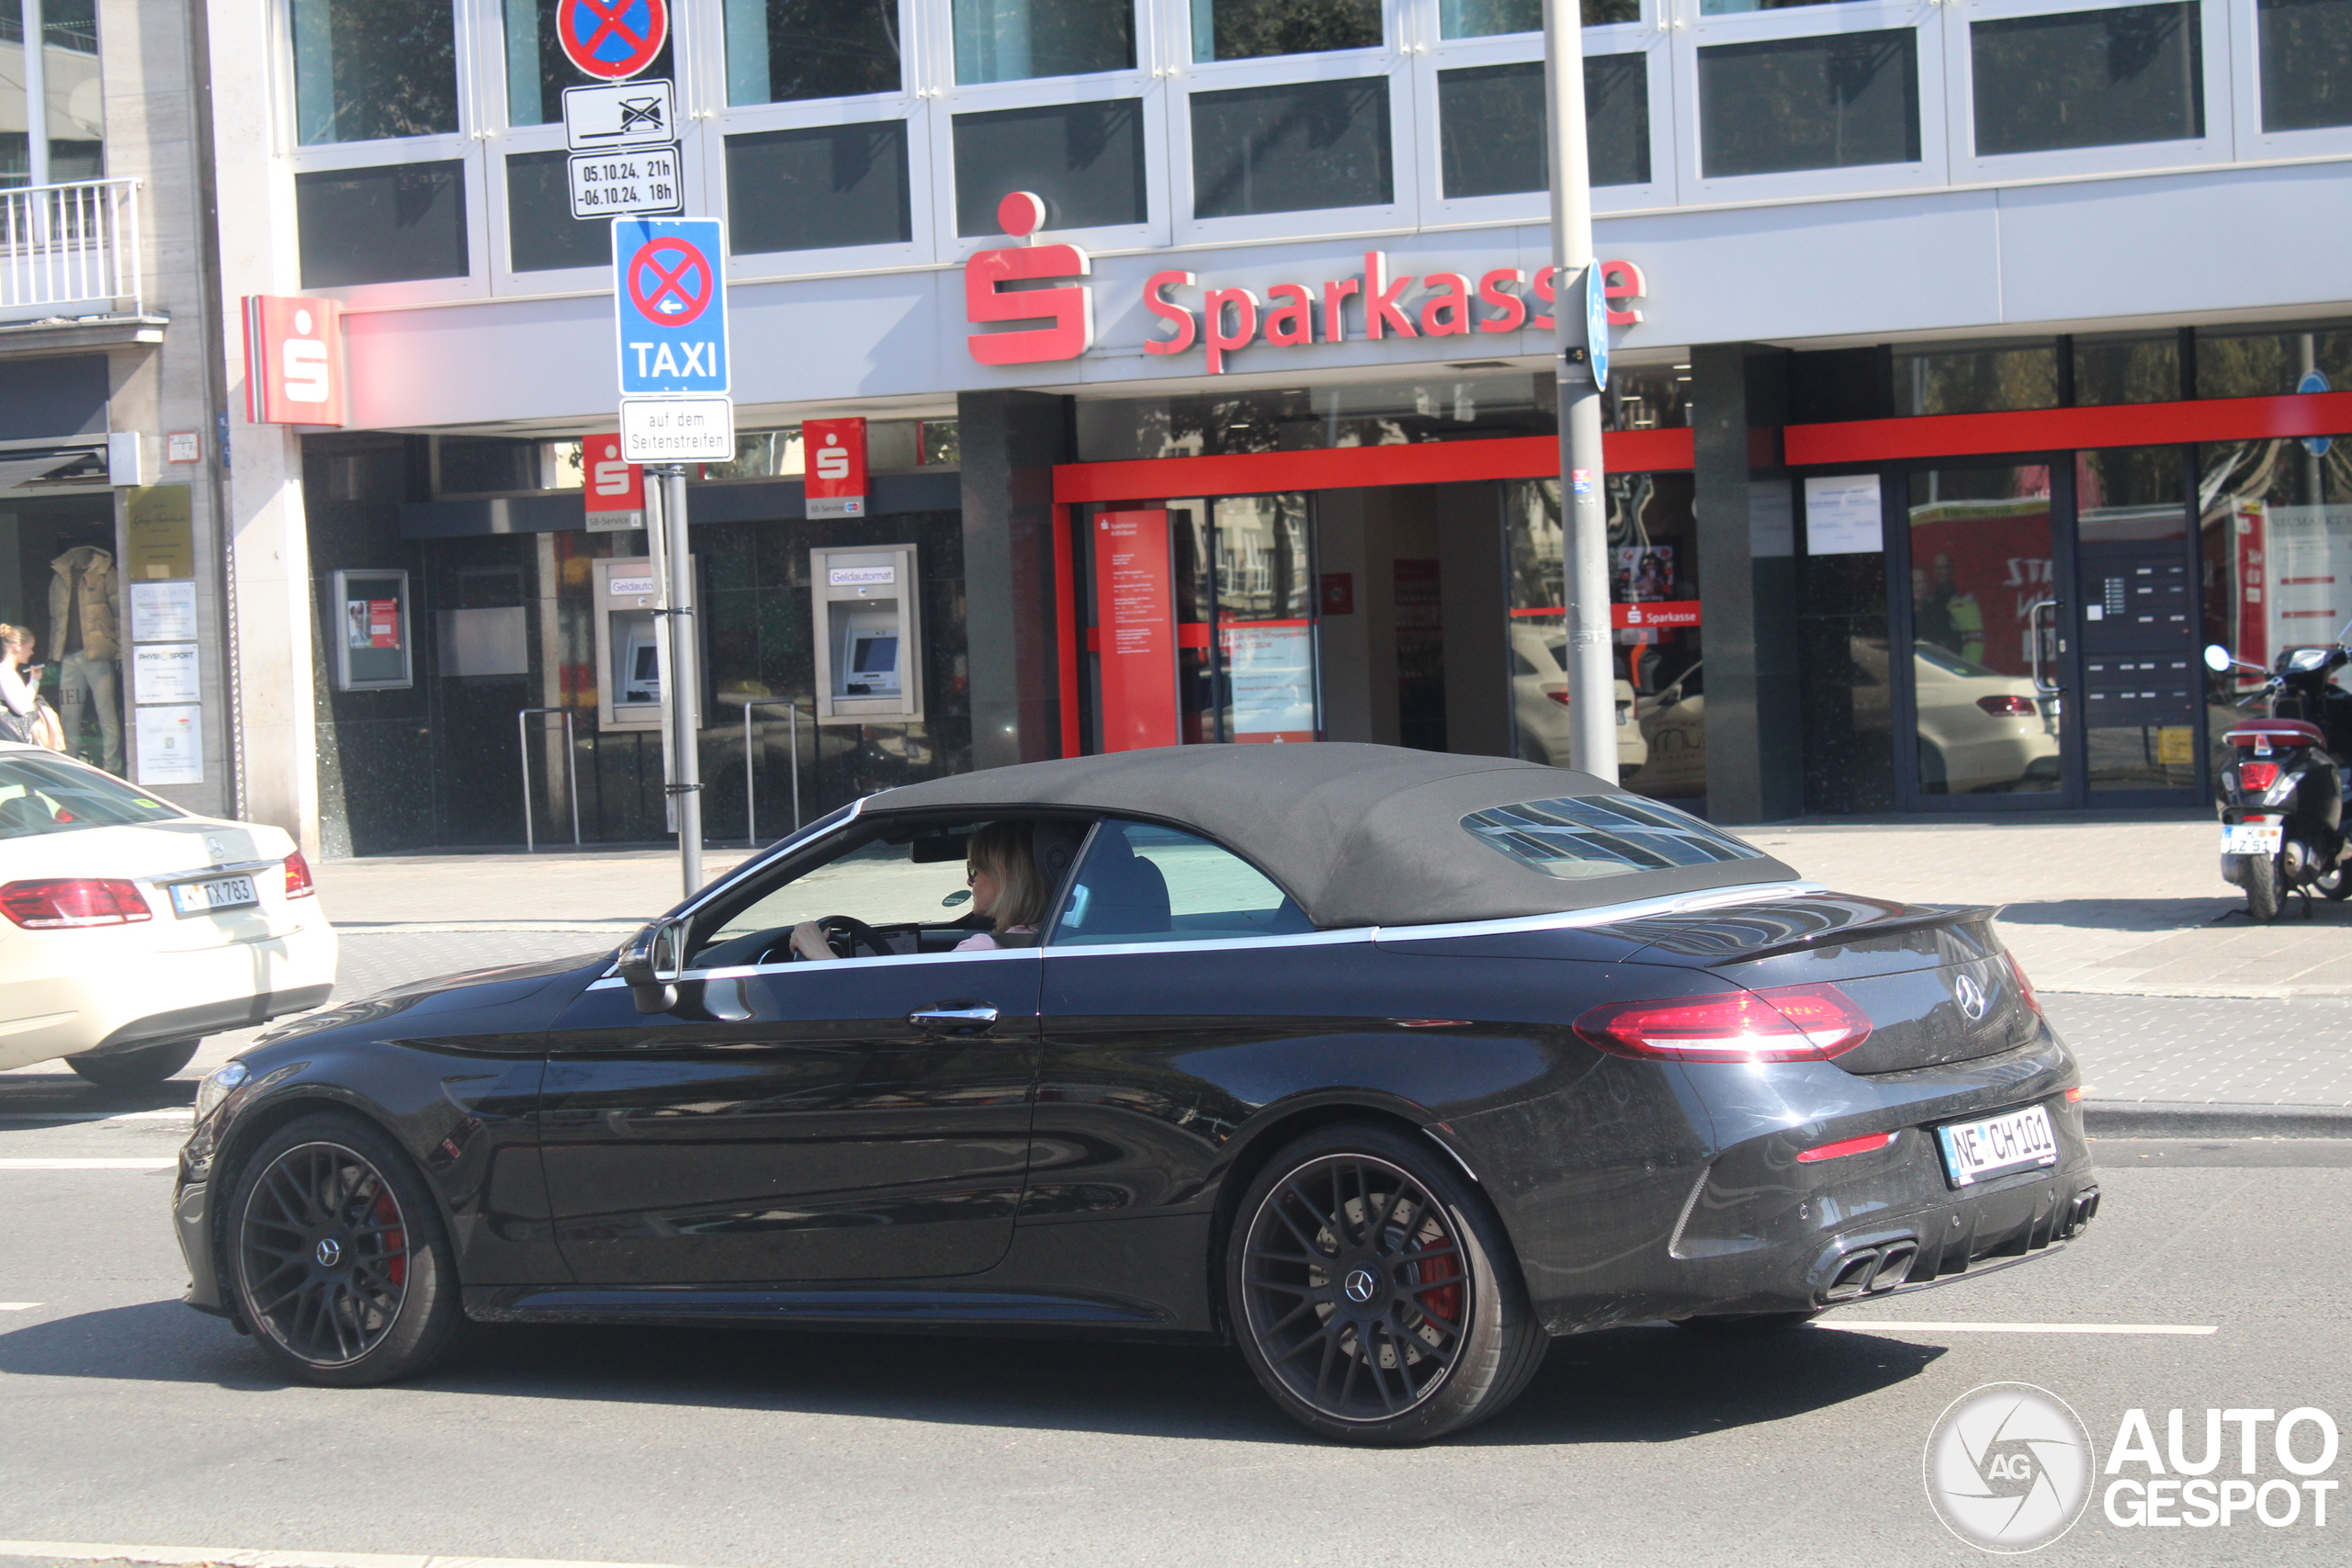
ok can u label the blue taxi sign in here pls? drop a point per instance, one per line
(670, 306)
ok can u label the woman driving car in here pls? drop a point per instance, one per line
(1000, 868)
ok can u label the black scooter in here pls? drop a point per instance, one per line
(2281, 786)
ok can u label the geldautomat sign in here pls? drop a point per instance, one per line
(1037, 302)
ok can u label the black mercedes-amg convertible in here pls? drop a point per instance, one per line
(1386, 1065)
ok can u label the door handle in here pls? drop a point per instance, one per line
(2033, 643)
(954, 1018)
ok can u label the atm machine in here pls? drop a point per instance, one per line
(869, 643)
(628, 635)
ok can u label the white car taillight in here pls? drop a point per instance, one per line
(54, 904)
(298, 876)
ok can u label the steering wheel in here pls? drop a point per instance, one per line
(845, 934)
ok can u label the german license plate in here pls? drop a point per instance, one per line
(1998, 1143)
(2252, 837)
(203, 897)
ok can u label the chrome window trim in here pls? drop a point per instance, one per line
(744, 971)
(1608, 914)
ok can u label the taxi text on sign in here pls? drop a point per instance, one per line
(1135, 589)
(670, 305)
(294, 364)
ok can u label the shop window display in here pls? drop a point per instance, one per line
(58, 581)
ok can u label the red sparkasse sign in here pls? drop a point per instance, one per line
(612, 488)
(294, 361)
(833, 454)
(1659, 612)
(1136, 592)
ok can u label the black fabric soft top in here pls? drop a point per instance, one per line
(1358, 835)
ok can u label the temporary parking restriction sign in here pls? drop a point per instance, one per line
(669, 303)
(614, 39)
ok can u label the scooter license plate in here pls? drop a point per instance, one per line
(2253, 838)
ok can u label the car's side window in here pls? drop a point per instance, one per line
(884, 884)
(1145, 882)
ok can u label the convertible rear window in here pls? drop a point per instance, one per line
(1584, 836)
(39, 796)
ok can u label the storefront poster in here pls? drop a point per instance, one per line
(162, 612)
(164, 672)
(1136, 619)
(171, 745)
(1269, 669)
(1842, 515)
(2309, 558)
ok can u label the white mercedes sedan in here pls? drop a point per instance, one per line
(130, 929)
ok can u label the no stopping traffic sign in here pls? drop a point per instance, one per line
(612, 39)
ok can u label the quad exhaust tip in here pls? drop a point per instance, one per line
(1871, 1271)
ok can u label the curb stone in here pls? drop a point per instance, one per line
(2161, 1119)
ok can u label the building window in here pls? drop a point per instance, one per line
(1010, 40)
(542, 233)
(779, 52)
(537, 71)
(1741, 7)
(367, 70)
(1484, 19)
(1990, 379)
(2306, 63)
(1493, 136)
(76, 108)
(1293, 148)
(2143, 368)
(2088, 79)
(2261, 362)
(1782, 105)
(1250, 29)
(1085, 159)
(823, 186)
(391, 223)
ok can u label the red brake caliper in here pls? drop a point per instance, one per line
(1445, 1301)
(395, 1253)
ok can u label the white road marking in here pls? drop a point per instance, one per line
(207, 1557)
(1874, 1326)
(180, 1115)
(17, 1306)
(87, 1164)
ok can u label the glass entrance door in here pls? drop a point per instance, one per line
(2051, 625)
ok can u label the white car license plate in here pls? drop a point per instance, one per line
(2253, 838)
(203, 897)
(2013, 1142)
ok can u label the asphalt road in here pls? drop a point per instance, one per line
(129, 1420)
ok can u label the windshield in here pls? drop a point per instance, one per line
(39, 794)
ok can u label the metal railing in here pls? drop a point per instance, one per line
(751, 780)
(71, 244)
(571, 774)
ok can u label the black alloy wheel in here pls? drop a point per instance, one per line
(341, 1266)
(1373, 1290)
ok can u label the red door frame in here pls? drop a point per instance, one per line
(1846, 444)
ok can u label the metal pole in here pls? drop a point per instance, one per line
(571, 776)
(750, 799)
(684, 691)
(657, 559)
(795, 711)
(523, 749)
(1584, 514)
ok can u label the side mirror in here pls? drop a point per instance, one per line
(2217, 658)
(651, 964)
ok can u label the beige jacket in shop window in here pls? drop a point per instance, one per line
(101, 622)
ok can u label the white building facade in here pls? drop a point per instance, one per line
(1972, 363)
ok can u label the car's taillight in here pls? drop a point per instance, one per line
(74, 901)
(1845, 1147)
(1787, 1023)
(2008, 708)
(2025, 986)
(2257, 775)
(298, 876)
(1560, 696)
